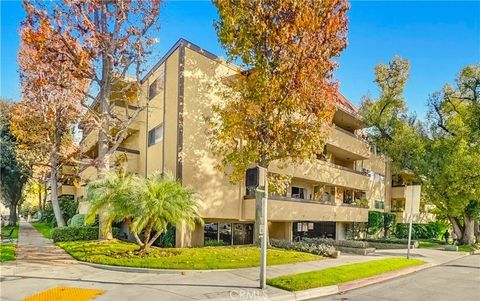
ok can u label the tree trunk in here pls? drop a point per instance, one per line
(53, 192)
(45, 190)
(457, 227)
(103, 158)
(13, 214)
(154, 238)
(477, 231)
(39, 197)
(468, 236)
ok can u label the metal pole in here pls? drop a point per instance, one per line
(410, 224)
(264, 237)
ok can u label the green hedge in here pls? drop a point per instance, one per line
(421, 231)
(337, 243)
(78, 220)
(326, 250)
(375, 221)
(78, 233)
(68, 207)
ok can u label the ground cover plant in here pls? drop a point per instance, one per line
(120, 253)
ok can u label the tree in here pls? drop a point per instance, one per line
(115, 34)
(280, 110)
(147, 205)
(443, 151)
(44, 120)
(13, 172)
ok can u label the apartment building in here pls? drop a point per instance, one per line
(324, 198)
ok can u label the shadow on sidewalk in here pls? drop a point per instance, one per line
(16, 277)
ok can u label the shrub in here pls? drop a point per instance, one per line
(421, 231)
(214, 243)
(323, 249)
(74, 233)
(78, 233)
(389, 222)
(375, 221)
(68, 207)
(77, 220)
(355, 230)
(337, 243)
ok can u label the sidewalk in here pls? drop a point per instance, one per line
(31, 274)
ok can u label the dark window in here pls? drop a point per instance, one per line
(348, 196)
(225, 233)
(298, 192)
(152, 89)
(211, 231)
(155, 135)
(242, 234)
(314, 229)
(379, 205)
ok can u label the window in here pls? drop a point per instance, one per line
(379, 204)
(237, 234)
(348, 196)
(298, 192)
(225, 233)
(155, 135)
(156, 86)
(211, 232)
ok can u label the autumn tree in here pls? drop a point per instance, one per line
(116, 36)
(51, 89)
(281, 107)
(14, 173)
(442, 151)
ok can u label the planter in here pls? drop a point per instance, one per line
(358, 251)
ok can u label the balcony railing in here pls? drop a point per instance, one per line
(364, 172)
(277, 197)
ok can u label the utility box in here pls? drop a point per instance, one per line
(255, 177)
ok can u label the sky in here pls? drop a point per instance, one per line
(438, 37)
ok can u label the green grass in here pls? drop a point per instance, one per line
(469, 248)
(123, 254)
(7, 252)
(429, 244)
(6, 230)
(341, 274)
(43, 228)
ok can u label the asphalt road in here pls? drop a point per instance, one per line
(457, 280)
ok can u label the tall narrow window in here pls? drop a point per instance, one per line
(298, 192)
(155, 135)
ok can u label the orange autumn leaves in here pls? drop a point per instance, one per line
(282, 108)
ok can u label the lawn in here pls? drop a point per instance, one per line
(6, 230)
(7, 252)
(43, 228)
(469, 248)
(123, 254)
(341, 274)
(430, 244)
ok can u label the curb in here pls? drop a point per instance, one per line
(131, 269)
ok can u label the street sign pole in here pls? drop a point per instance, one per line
(410, 224)
(264, 238)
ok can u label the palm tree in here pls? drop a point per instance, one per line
(165, 201)
(146, 205)
(116, 197)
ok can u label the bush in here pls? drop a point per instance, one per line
(389, 222)
(78, 233)
(337, 243)
(78, 220)
(375, 222)
(74, 233)
(68, 207)
(326, 250)
(421, 231)
(214, 243)
(167, 239)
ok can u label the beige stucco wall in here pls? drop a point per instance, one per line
(280, 230)
(350, 143)
(219, 198)
(284, 210)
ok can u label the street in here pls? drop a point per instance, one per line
(455, 280)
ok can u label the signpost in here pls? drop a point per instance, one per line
(257, 178)
(413, 201)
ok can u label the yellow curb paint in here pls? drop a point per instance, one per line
(65, 294)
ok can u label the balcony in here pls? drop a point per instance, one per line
(292, 209)
(347, 141)
(325, 172)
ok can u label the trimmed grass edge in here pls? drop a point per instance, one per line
(341, 274)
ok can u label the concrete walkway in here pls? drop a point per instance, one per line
(31, 274)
